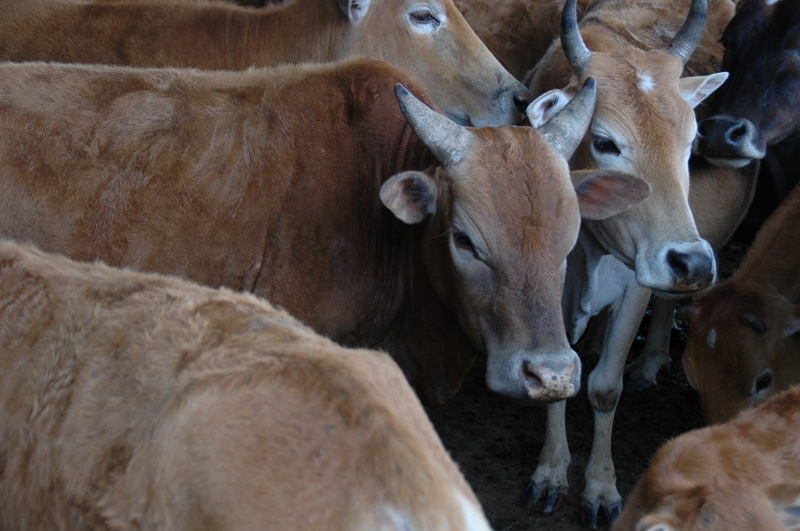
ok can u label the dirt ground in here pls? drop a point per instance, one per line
(496, 440)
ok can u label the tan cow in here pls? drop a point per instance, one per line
(644, 124)
(742, 475)
(139, 401)
(744, 334)
(305, 185)
(459, 72)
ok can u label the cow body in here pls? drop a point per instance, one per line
(739, 475)
(462, 76)
(643, 124)
(744, 334)
(755, 114)
(137, 401)
(304, 185)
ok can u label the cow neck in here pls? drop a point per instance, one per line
(772, 258)
(300, 31)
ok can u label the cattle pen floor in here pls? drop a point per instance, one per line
(496, 440)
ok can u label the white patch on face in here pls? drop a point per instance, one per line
(645, 81)
(712, 338)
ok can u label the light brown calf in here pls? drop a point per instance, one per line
(134, 401)
(744, 334)
(307, 186)
(458, 71)
(643, 124)
(742, 475)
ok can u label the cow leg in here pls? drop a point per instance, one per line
(605, 387)
(641, 373)
(549, 480)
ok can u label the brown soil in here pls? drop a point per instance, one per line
(496, 440)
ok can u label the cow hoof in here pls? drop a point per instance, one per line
(591, 514)
(553, 500)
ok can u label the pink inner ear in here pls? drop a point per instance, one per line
(608, 193)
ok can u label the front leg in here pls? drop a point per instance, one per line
(605, 387)
(641, 373)
(549, 480)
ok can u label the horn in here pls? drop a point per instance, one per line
(564, 131)
(575, 49)
(691, 31)
(447, 140)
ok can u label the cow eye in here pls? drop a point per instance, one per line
(764, 380)
(604, 145)
(462, 241)
(424, 16)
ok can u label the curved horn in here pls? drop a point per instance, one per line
(565, 130)
(447, 140)
(575, 49)
(691, 31)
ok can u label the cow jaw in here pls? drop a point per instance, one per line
(435, 39)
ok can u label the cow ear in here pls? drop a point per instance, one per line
(785, 498)
(696, 89)
(354, 10)
(411, 196)
(545, 106)
(604, 193)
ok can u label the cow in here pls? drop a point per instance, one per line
(306, 186)
(744, 333)
(755, 114)
(643, 124)
(141, 401)
(459, 72)
(738, 475)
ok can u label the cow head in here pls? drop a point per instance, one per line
(431, 39)
(743, 347)
(759, 106)
(502, 214)
(644, 125)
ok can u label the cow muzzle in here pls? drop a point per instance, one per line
(729, 141)
(542, 376)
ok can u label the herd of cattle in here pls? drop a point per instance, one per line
(362, 165)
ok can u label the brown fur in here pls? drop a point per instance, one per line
(766, 285)
(517, 32)
(134, 401)
(268, 181)
(724, 477)
(460, 73)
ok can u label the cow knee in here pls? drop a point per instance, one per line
(604, 397)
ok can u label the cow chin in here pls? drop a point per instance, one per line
(543, 377)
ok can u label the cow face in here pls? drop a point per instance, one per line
(759, 106)
(644, 125)
(742, 349)
(502, 215)
(431, 39)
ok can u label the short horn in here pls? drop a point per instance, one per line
(575, 49)
(446, 139)
(565, 130)
(691, 31)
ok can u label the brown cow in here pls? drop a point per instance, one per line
(138, 401)
(744, 334)
(460, 73)
(643, 124)
(742, 475)
(304, 185)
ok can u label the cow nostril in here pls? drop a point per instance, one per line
(679, 262)
(736, 133)
(532, 380)
(522, 100)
